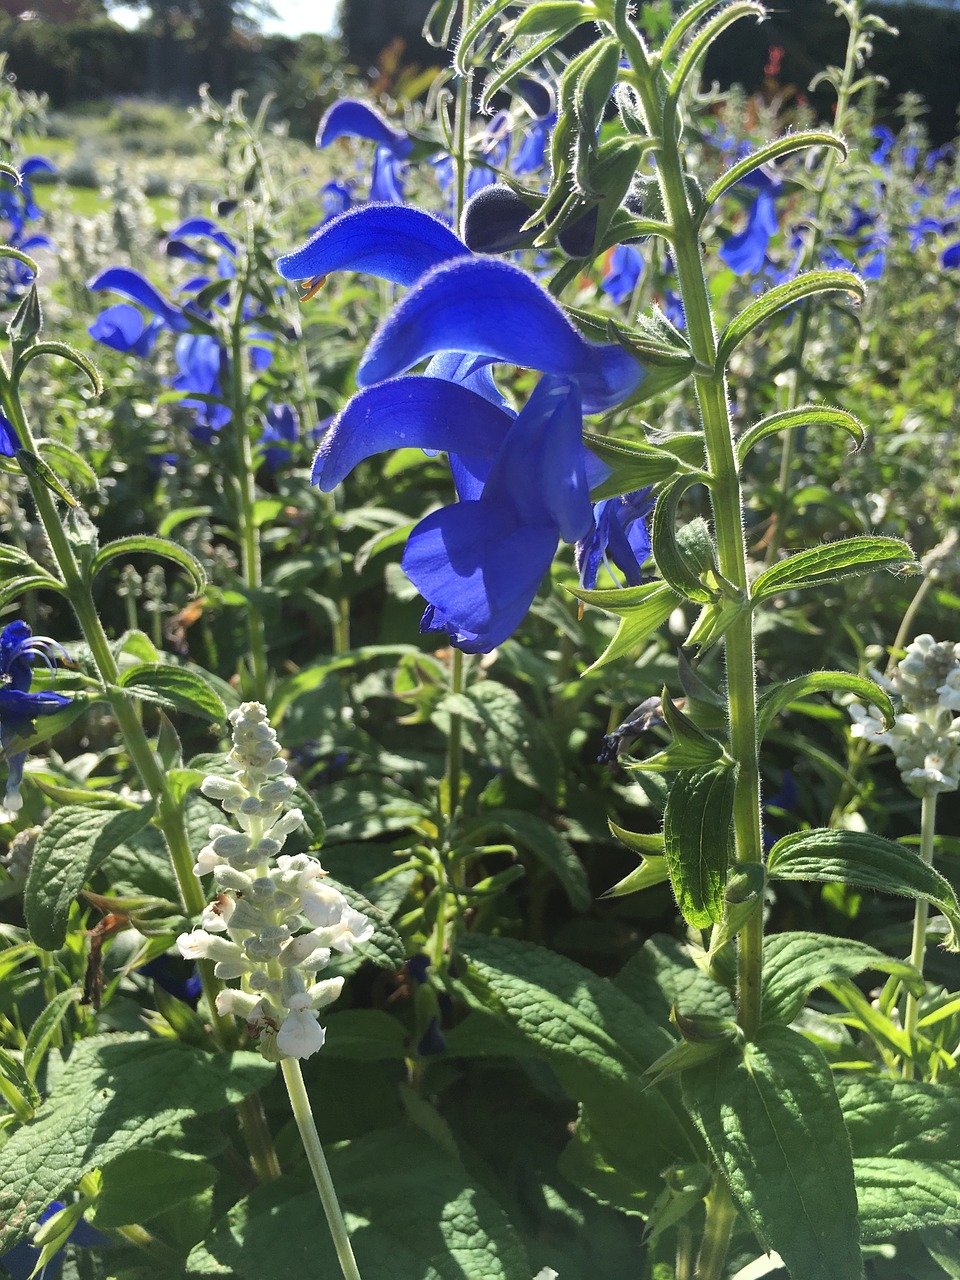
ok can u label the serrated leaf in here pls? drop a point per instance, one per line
(808, 415)
(859, 858)
(830, 562)
(69, 848)
(143, 544)
(774, 699)
(763, 1109)
(797, 963)
(182, 687)
(778, 299)
(116, 1093)
(696, 837)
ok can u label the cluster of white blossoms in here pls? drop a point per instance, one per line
(925, 738)
(252, 929)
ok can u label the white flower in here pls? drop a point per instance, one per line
(323, 993)
(300, 1035)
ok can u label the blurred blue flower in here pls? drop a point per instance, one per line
(624, 270)
(131, 284)
(19, 647)
(21, 1261)
(202, 363)
(9, 441)
(122, 327)
(171, 974)
(885, 143)
(281, 430)
(352, 118)
(531, 155)
(619, 534)
(746, 252)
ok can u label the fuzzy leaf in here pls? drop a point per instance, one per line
(830, 562)
(696, 834)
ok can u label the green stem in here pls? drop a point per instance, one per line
(921, 913)
(721, 1215)
(727, 503)
(303, 1115)
(900, 643)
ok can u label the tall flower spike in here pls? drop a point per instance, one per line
(252, 929)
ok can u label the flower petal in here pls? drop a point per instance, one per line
(478, 571)
(119, 327)
(351, 118)
(425, 413)
(391, 241)
(492, 308)
(131, 284)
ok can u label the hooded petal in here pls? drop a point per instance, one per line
(119, 327)
(425, 413)
(391, 241)
(478, 570)
(207, 229)
(131, 284)
(494, 309)
(350, 118)
(745, 253)
(387, 177)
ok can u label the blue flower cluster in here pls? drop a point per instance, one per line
(19, 647)
(523, 479)
(19, 208)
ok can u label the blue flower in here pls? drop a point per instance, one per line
(619, 534)
(202, 363)
(131, 284)
(746, 252)
(122, 327)
(490, 308)
(885, 143)
(351, 118)
(9, 441)
(21, 1261)
(531, 156)
(18, 706)
(281, 429)
(624, 271)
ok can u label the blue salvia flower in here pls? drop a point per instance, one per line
(885, 144)
(281, 430)
(22, 1260)
(623, 273)
(137, 288)
(9, 441)
(619, 536)
(18, 706)
(352, 118)
(203, 364)
(123, 328)
(745, 253)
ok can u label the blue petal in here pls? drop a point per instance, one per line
(36, 164)
(478, 571)
(119, 327)
(425, 413)
(391, 241)
(206, 228)
(352, 118)
(386, 177)
(470, 371)
(494, 309)
(9, 443)
(626, 267)
(745, 253)
(131, 284)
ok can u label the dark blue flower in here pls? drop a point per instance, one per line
(745, 253)
(171, 974)
(619, 535)
(18, 706)
(202, 363)
(9, 441)
(623, 272)
(351, 118)
(21, 1261)
(387, 176)
(281, 430)
(531, 155)
(885, 143)
(131, 284)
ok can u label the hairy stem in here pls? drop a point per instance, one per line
(921, 914)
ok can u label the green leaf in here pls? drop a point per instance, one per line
(642, 609)
(414, 1212)
(662, 976)
(598, 1042)
(139, 1184)
(70, 847)
(779, 298)
(867, 861)
(44, 1029)
(691, 748)
(763, 1110)
(65, 352)
(34, 466)
(906, 1195)
(830, 562)
(782, 146)
(696, 835)
(116, 1094)
(176, 518)
(702, 39)
(634, 465)
(807, 415)
(386, 947)
(77, 469)
(774, 699)
(143, 544)
(16, 1087)
(900, 1119)
(182, 687)
(797, 963)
